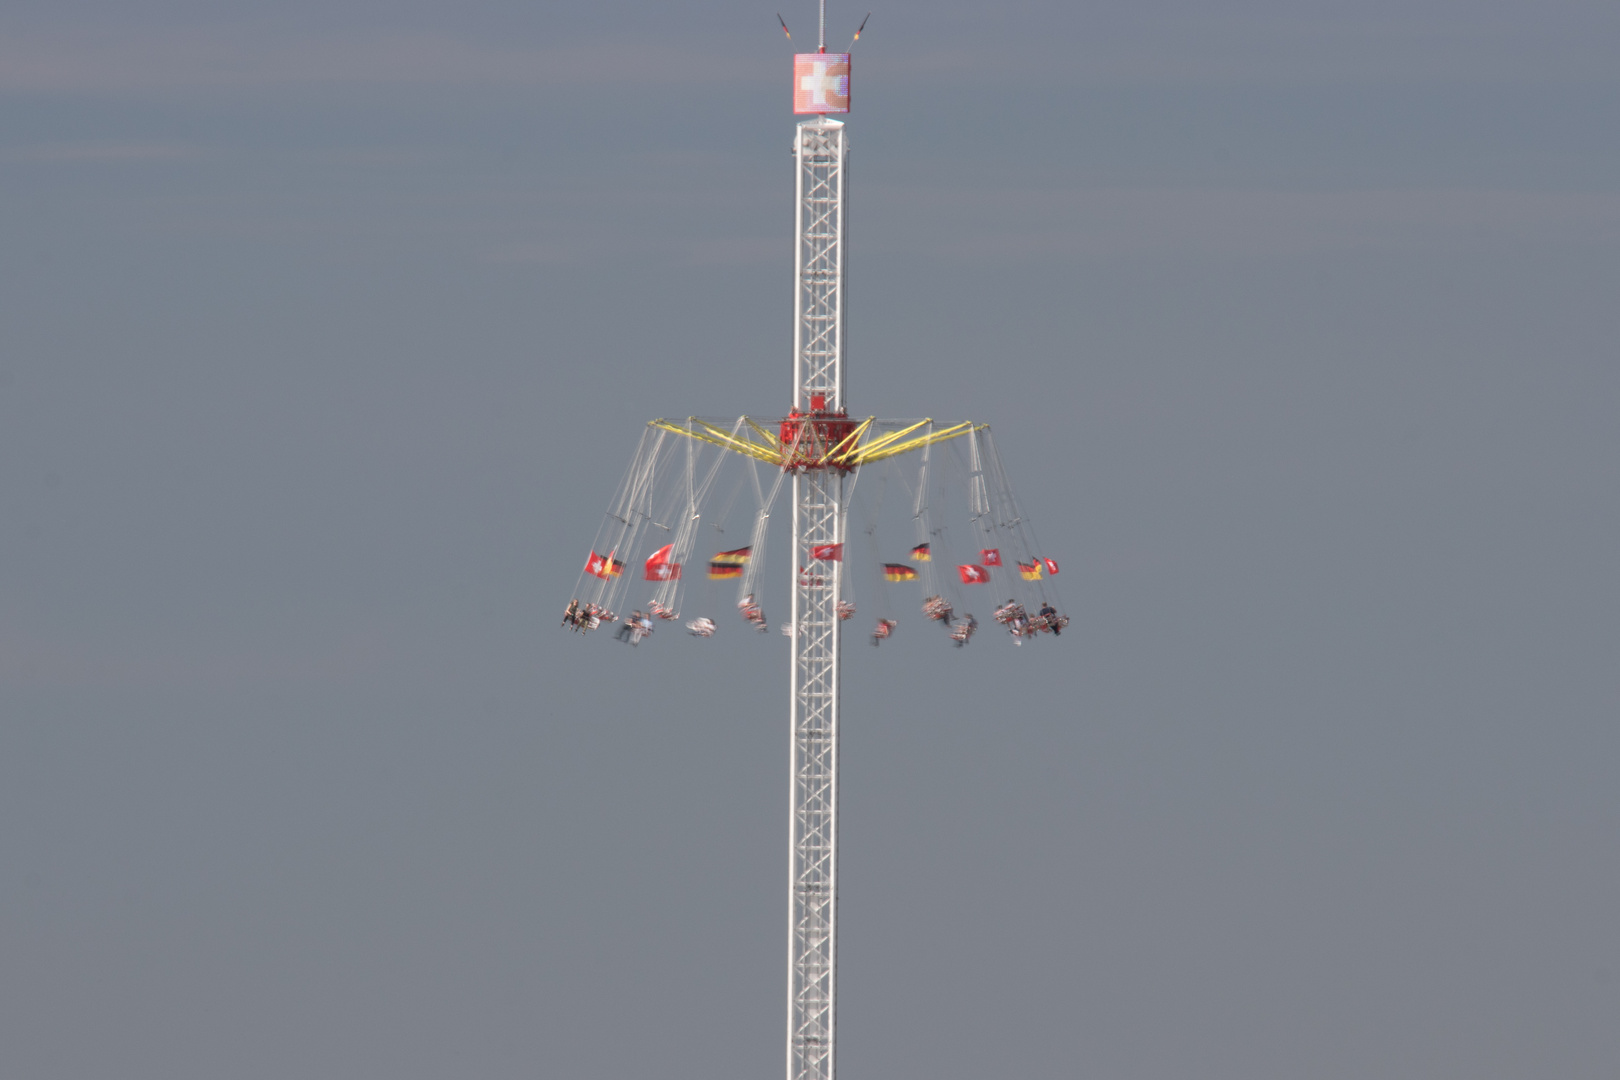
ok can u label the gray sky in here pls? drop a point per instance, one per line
(325, 333)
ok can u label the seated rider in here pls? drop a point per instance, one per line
(1050, 614)
(964, 630)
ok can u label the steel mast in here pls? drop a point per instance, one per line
(819, 447)
(816, 426)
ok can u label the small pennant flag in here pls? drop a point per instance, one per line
(827, 552)
(920, 553)
(1051, 566)
(894, 571)
(735, 557)
(1030, 571)
(974, 575)
(990, 557)
(603, 566)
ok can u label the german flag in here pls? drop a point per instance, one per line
(604, 566)
(920, 553)
(735, 557)
(1030, 571)
(894, 571)
(725, 570)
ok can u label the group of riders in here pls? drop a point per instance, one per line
(581, 617)
(1020, 624)
(638, 624)
(939, 609)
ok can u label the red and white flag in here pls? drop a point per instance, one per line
(827, 552)
(1051, 566)
(603, 566)
(990, 557)
(974, 575)
(659, 568)
(820, 82)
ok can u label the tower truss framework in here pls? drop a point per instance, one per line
(821, 154)
(821, 151)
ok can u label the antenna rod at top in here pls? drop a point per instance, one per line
(823, 42)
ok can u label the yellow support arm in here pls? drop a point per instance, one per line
(849, 452)
(893, 445)
(854, 437)
(771, 455)
(855, 456)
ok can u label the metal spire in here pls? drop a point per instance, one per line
(817, 428)
(819, 516)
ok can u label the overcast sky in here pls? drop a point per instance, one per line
(326, 331)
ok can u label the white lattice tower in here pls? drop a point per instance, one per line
(821, 152)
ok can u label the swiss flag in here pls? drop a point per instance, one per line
(1051, 565)
(827, 552)
(821, 83)
(598, 565)
(974, 575)
(990, 557)
(659, 568)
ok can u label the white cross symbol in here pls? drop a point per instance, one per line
(819, 85)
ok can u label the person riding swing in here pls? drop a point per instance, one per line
(1049, 613)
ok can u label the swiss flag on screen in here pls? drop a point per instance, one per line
(990, 557)
(1051, 565)
(974, 575)
(827, 552)
(821, 83)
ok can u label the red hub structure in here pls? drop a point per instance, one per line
(817, 438)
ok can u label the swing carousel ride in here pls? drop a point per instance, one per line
(938, 525)
(681, 496)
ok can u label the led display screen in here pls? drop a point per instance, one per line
(821, 83)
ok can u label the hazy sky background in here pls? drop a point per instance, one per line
(325, 334)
